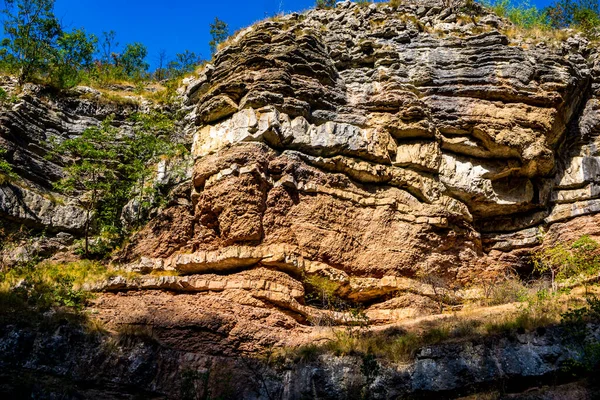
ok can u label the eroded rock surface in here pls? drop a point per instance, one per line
(371, 146)
(382, 141)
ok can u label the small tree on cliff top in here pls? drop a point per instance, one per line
(31, 31)
(219, 31)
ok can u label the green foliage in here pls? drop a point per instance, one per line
(114, 67)
(507, 291)
(219, 32)
(323, 4)
(31, 31)
(92, 176)
(132, 60)
(184, 63)
(322, 293)
(36, 47)
(579, 260)
(109, 169)
(48, 285)
(75, 51)
(149, 144)
(577, 332)
(521, 14)
(6, 172)
(579, 13)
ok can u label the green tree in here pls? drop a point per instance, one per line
(109, 169)
(184, 63)
(143, 150)
(325, 3)
(31, 31)
(132, 61)
(91, 176)
(75, 52)
(567, 13)
(219, 31)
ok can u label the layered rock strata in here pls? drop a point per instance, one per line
(382, 145)
(386, 150)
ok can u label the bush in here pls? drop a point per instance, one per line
(6, 172)
(522, 14)
(324, 4)
(579, 260)
(508, 291)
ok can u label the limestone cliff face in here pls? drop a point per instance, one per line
(369, 145)
(383, 142)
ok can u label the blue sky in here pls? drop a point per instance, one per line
(173, 25)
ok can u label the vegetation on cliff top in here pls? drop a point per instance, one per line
(37, 47)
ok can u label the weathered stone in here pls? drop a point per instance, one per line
(30, 208)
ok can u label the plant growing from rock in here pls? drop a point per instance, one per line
(90, 176)
(219, 32)
(107, 169)
(579, 260)
(149, 144)
(6, 172)
(324, 4)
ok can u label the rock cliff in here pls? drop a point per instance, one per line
(369, 145)
(376, 145)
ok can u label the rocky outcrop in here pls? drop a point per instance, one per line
(388, 151)
(28, 122)
(383, 141)
(40, 209)
(132, 365)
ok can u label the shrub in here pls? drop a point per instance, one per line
(6, 172)
(508, 291)
(219, 32)
(322, 292)
(324, 4)
(521, 14)
(579, 260)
